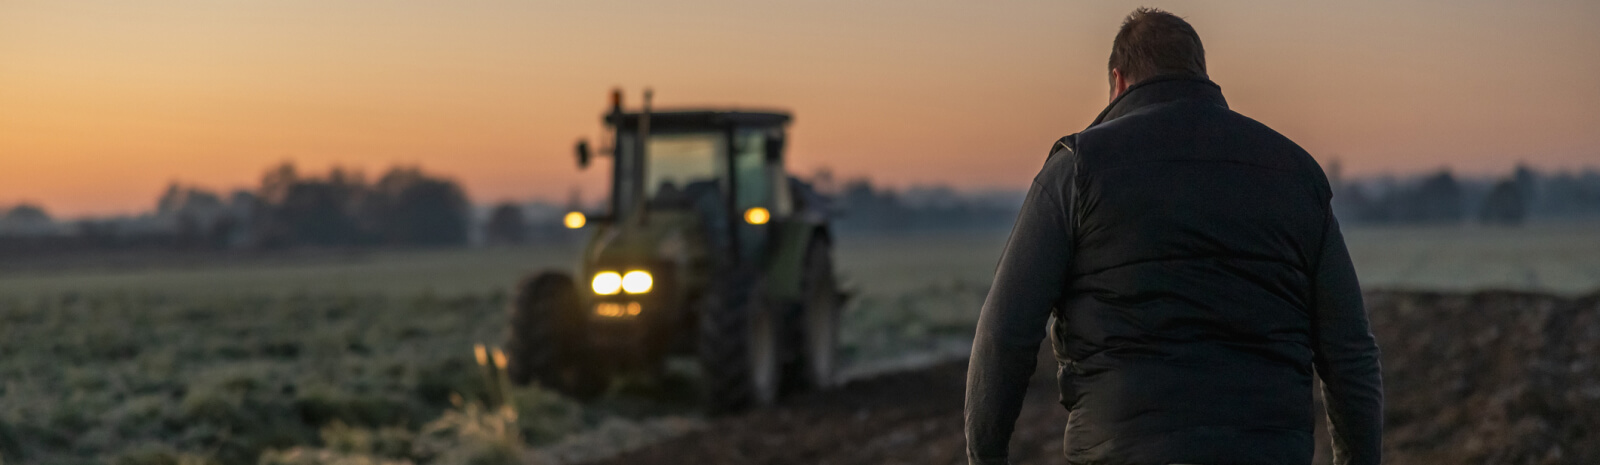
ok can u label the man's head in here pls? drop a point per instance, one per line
(1154, 42)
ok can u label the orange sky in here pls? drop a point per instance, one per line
(104, 103)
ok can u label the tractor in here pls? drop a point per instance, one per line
(708, 250)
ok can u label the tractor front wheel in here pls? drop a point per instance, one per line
(545, 343)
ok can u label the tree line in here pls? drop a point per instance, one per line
(1443, 198)
(405, 206)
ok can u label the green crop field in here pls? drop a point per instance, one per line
(350, 357)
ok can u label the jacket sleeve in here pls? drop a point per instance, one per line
(1346, 356)
(1027, 283)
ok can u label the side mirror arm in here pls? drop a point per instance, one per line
(582, 151)
(774, 147)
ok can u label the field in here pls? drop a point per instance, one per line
(1562, 258)
(353, 356)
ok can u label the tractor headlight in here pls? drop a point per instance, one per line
(757, 215)
(607, 283)
(637, 282)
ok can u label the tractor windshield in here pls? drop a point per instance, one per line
(680, 168)
(678, 162)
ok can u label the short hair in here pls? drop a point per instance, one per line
(1154, 42)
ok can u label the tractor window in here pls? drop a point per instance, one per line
(753, 188)
(750, 166)
(678, 160)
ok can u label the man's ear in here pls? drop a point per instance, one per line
(1119, 84)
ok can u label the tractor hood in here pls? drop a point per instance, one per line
(666, 242)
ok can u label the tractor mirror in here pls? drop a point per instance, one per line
(774, 147)
(583, 153)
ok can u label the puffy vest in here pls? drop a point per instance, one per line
(1185, 328)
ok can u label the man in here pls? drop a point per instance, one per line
(1191, 275)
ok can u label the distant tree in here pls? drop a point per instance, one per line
(307, 210)
(27, 213)
(1527, 181)
(1504, 205)
(410, 207)
(1565, 194)
(1436, 200)
(276, 181)
(178, 199)
(193, 214)
(26, 219)
(238, 228)
(405, 207)
(868, 207)
(318, 212)
(507, 225)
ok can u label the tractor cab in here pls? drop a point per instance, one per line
(725, 168)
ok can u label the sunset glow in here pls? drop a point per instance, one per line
(104, 103)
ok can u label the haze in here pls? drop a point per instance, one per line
(104, 103)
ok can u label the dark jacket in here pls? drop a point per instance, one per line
(1193, 277)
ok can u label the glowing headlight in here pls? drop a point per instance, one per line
(757, 215)
(607, 283)
(637, 282)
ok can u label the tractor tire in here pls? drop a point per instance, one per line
(738, 347)
(545, 343)
(818, 322)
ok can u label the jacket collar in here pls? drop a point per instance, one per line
(1159, 89)
(1162, 89)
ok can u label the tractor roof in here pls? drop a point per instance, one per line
(682, 120)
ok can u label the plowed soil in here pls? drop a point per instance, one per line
(1488, 377)
(912, 417)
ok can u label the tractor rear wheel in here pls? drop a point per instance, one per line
(545, 343)
(738, 347)
(819, 318)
